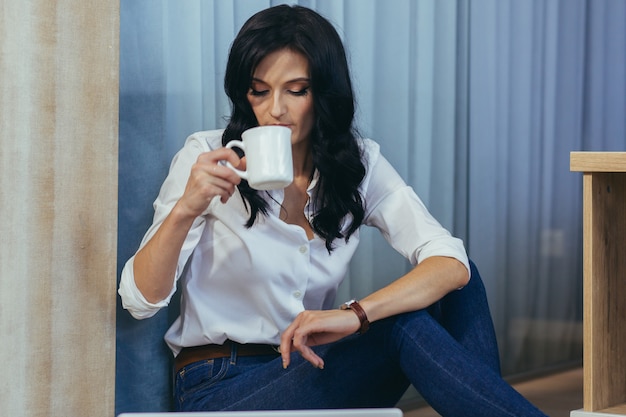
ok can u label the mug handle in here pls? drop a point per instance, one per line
(239, 144)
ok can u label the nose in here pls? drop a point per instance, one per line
(278, 107)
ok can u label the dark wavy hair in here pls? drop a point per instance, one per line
(336, 153)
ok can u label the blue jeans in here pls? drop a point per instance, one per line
(448, 352)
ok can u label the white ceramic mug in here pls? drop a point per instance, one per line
(269, 165)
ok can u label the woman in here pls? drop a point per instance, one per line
(259, 270)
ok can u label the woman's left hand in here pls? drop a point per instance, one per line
(428, 282)
(316, 327)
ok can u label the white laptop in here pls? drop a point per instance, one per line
(360, 412)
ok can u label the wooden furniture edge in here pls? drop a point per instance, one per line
(598, 161)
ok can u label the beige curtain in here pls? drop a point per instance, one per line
(58, 202)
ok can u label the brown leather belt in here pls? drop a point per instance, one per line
(200, 353)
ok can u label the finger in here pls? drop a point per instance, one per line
(242, 164)
(224, 177)
(300, 343)
(310, 355)
(224, 189)
(219, 156)
(286, 346)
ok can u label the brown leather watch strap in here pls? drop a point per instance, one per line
(360, 313)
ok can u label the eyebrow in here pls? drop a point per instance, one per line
(295, 80)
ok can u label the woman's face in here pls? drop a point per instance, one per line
(280, 93)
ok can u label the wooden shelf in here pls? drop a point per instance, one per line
(604, 286)
(598, 161)
(619, 409)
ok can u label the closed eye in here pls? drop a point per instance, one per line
(258, 93)
(302, 92)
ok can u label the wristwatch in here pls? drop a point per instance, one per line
(360, 313)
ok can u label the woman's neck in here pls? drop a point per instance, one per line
(302, 161)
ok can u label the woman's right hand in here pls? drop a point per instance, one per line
(155, 264)
(208, 179)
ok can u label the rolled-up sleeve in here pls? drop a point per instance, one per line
(133, 300)
(394, 208)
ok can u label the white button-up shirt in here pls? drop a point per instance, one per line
(248, 285)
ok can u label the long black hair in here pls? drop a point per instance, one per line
(336, 153)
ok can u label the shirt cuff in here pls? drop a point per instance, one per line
(133, 300)
(451, 247)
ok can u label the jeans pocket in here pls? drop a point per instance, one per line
(197, 378)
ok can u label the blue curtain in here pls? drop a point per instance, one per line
(476, 103)
(545, 78)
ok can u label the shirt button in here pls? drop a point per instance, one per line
(303, 249)
(297, 294)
